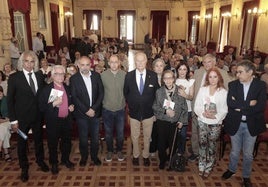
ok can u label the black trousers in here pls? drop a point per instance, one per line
(165, 132)
(37, 130)
(59, 133)
(154, 138)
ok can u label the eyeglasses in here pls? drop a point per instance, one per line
(167, 78)
(59, 74)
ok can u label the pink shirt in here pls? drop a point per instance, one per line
(63, 109)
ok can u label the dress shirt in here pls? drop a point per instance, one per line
(28, 78)
(88, 83)
(14, 51)
(245, 89)
(138, 76)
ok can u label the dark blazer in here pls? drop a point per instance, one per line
(80, 95)
(50, 112)
(140, 106)
(22, 103)
(254, 114)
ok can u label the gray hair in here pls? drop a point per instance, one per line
(248, 65)
(31, 54)
(158, 60)
(57, 67)
(209, 56)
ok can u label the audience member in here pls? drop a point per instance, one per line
(245, 119)
(170, 110)
(264, 78)
(139, 90)
(14, 52)
(87, 95)
(158, 68)
(113, 112)
(55, 103)
(210, 108)
(38, 46)
(23, 89)
(186, 90)
(4, 127)
(209, 61)
(3, 82)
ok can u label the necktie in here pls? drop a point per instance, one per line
(31, 83)
(141, 84)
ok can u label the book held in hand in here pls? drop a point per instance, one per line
(54, 94)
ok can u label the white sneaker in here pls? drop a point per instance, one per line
(108, 157)
(120, 156)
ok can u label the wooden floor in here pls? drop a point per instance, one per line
(123, 174)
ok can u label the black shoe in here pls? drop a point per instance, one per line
(83, 161)
(54, 169)
(97, 162)
(227, 174)
(146, 162)
(43, 166)
(193, 157)
(135, 161)
(162, 165)
(24, 175)
(247, 182)
(68, 164)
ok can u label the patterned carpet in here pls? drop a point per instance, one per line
(123, 174)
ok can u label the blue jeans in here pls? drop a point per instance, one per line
(242, 140)
(113, 120)
(91, 126)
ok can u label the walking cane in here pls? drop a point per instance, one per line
(172, 149)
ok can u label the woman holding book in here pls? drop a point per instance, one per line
(170, 110)
(211, 108)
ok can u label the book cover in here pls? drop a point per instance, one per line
(54, 94)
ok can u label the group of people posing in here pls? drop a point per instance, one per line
(159, 101)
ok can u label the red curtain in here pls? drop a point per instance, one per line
(159, 23)
(23, 6)
(54, 14)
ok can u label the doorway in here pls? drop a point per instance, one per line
(126, 24)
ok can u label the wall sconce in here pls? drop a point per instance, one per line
(256, 12)
(228, 15)
(68, 14)
(209, 16)
(108, 17)
(178, 18)
(143, 18)
(196, 17)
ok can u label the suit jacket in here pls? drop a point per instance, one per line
(22, 103)
(80, 96)
(140, 106)
(254, 114)
(50, 112)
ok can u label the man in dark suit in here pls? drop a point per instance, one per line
(87, 94)
(139, 89)
(57, 110)
(245, 119)
(22, 98)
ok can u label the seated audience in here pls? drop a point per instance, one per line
(4, 127)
